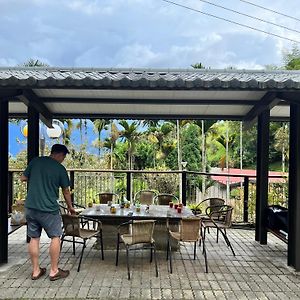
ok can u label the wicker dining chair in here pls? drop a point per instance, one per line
(105, 197)
(145, 197)
(136, 232)
(213, 203)
(72, 227)
(189, 231)
(165, 199)
(221, 219)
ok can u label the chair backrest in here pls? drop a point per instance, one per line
(105, 197)
(190, 229)
(71, 225)
(227, 213)
(142, 231)
(224, 214)
(213, 204)
(145, 197)
(164, 199)
(62, 207)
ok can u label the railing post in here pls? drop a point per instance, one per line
(72, 179)
(128, 186)
(246, 198)
(183, 185)
(10, 190)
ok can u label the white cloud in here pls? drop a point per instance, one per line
(140, 33)
(90, 7)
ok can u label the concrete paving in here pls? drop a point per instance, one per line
(256, 272)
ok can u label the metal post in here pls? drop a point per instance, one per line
(72, 180)
(33, 134)
(10, 190)
(128, 186)
(3, 181)
(33, 137)
(246, 198)
(294, 189)
(183, 187)
(262, 176)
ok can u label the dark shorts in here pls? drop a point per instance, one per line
(38, 220)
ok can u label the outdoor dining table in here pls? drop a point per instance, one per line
(160, 213)
(155, 212)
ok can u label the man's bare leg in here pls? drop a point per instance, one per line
(34, 252)
(54, 255)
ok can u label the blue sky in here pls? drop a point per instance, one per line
(141, 33)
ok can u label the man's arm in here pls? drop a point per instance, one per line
(67, 196)
(23, 178)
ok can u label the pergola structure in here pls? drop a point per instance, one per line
(47, 93)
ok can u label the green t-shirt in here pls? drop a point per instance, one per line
(45, 176)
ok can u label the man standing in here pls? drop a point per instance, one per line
(45, 175)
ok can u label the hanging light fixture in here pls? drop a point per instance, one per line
(24, 130)
(57, 130)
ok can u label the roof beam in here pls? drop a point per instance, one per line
(6, 94)
(29, 98)
(268, 101)
(149, 101)
(293, 97)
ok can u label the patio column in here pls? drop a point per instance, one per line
(4, 180)
(294, 189)
(33, 133)
(262, 172)
(33, 137)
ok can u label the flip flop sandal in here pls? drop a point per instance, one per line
(42, 272)
(60, 274)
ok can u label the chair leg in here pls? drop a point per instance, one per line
(229, 244)
(73, 245)
(195, 247)
(155, 260)
(217, 235)
(205, 257)
(204, 231)
(170, 252)
(118, 247)
(151, 255)
(83, 247)
(168, 243)
(101, 242)
(127, 262)
(61, 241)
(227, 241)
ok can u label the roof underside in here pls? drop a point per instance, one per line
(150, 94)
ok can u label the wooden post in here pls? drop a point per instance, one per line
(262, 170)
(294, 189)
(3, 181)
(246, 198)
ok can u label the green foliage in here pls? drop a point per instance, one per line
(198, 66)
(191, 147)
(292, 59)
(144, 156)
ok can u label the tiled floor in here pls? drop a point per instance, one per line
(257, 272)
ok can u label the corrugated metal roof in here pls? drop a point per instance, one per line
(149, 79)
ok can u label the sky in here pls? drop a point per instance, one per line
(18, 142)
(142, 33)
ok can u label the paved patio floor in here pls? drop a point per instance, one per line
(257, 272)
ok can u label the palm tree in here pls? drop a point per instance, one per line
(99, 126)
(110, 142)
(205, 127)
(158, 135)
(34, 63)
(282, 143)
(67, 131)
(130, 134)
